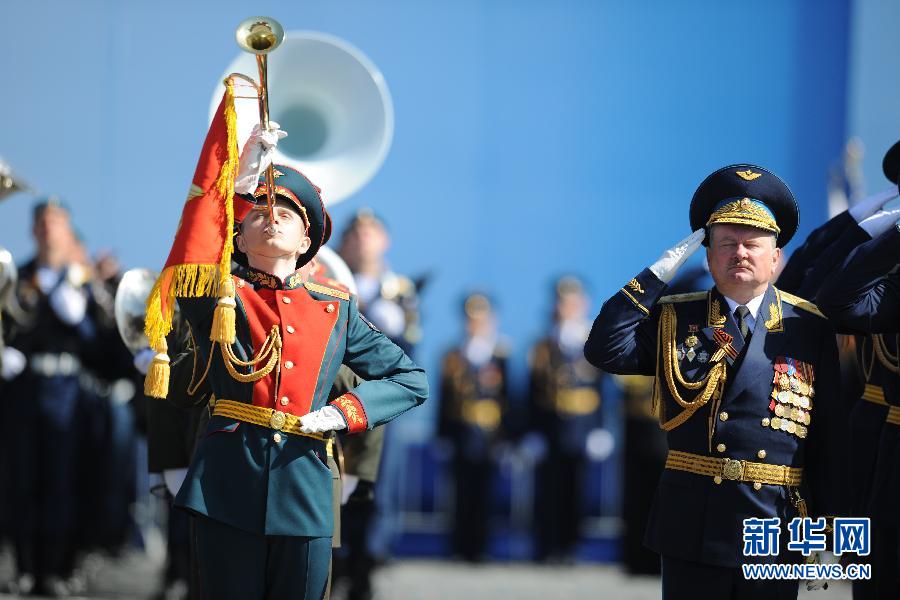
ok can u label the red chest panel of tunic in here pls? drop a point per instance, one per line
(306, 325)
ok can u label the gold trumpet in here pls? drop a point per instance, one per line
(259, 36)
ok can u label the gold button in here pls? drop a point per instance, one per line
(285, 299)
(284, 400)
(761, 454)
(765, 422)
(721, 447)
(757, 485)
(277, 438)
(723, 416)
(717, 479)
(288, 365)
(289, 329)
(330, 308)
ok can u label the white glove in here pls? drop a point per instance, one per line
(348, 486)
(883, 219)
(821, 558)
(69, 303)
(599, 445)
(388, 316)
(327, 418)
(867, 207)
(674, 257)
(257, 155)
(143, 359)
(13, 363)
(173, 479)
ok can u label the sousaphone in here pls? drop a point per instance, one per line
(333, 102)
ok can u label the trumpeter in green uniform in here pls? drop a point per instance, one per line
(270, 348)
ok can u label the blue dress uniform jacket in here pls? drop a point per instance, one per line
(698, 517)
(280, 485)
(821, 253)
(863, 296)
(863, 293)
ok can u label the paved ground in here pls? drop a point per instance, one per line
(134, 577)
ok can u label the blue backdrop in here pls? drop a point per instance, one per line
(532, 138)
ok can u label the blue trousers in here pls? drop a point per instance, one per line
(247, 566)
(687, 580)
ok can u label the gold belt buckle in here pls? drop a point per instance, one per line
(733, 469)
(278, 420)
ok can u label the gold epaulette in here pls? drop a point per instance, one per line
(321, 289)
(801, 303)
(688, 297)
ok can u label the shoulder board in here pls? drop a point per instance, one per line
(321, 289)
(801, 303)
(689, 297)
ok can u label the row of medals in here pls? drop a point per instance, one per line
(793, 401)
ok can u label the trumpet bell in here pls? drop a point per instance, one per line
(9, 184)
(131, 307)
(331, 100)
(259, 35)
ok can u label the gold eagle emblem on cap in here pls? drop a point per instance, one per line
(748, 175)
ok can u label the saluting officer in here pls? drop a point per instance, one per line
(861, 296)
(473, 397)
(270, 348)
(747, 387)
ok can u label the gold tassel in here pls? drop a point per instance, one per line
(223, 327)
(156, 383)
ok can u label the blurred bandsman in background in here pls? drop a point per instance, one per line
(565, 410)
(473, 403)
(391, 302)
(388, 299)
(60, 363)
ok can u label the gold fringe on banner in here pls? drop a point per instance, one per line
(196, 281)
(223, 327)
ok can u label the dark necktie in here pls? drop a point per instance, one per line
(740, 314)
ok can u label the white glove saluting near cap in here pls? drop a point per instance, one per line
(878, 213)
(257, 155)
(668, 264)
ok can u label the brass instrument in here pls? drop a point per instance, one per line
(9, 183)
(332, 100)
(260, 36)
(131, 306)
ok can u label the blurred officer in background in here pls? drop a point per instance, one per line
(473, 403)
(565, 409)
